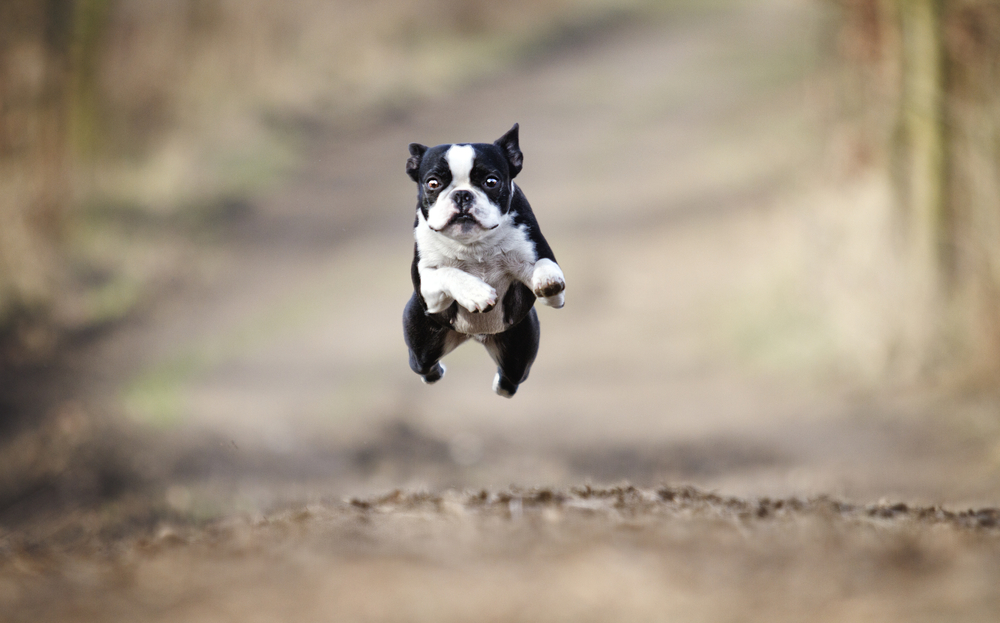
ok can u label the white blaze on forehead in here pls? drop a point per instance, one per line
(460, 158)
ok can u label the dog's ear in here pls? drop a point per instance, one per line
(508, 145)
(413, 162)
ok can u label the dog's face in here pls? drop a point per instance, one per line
(464, 190)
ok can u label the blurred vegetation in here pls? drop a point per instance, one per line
(34, 73)
(126, 122)
(924, 84)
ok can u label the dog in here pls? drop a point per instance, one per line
(479, 260)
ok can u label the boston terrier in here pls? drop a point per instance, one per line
(479, 262)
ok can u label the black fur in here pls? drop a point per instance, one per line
(508, 144)
(426, 338)
(514, 351)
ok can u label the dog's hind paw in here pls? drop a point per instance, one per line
(503, 387)
(435, 375)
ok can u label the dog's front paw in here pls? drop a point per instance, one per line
(437, 302)
(548, 283)
(476, 296)
(556, 301)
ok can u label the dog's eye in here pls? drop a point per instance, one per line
(433, 184)
(491, 182)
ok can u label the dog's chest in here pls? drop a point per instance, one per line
(498, 270)
(508, 258)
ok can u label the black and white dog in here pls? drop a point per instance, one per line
(479, 260)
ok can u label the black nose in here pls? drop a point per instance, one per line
(463, 199)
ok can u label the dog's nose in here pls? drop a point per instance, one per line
(463, 199)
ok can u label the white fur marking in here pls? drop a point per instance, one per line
(556, 301)
(426, 382)
(470, 291)
(461, 159)
(545, 276)
(498, 390)
(502, 256)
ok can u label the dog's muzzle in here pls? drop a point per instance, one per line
(463, 200)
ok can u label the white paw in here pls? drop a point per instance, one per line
(475, 295)
(547, 282)
(436, 302)
(499, 390)
(434, 375)
(556, 301)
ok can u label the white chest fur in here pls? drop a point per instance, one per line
(502, 257)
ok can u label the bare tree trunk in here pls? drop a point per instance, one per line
(945, 157)
(34, 75)
(923, 164)
(973, 47)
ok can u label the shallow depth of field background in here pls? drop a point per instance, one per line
(208, 241)
(781, 273)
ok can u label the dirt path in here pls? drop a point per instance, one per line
(586, 554)
(672, 169)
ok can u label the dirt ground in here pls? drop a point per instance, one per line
(590, 554)
(253, 446)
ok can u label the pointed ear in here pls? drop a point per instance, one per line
(508, 145)
(413, 163)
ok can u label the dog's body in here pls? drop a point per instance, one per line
(479, 261)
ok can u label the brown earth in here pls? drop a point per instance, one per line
(225, 455)
(530, 555)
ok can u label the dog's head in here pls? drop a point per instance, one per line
(465, 189)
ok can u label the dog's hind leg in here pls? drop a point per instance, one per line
(514, 351)
(427, 341)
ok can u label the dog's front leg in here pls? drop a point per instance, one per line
(547, 283)
(441, 286)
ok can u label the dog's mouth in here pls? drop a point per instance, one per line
(466, 222)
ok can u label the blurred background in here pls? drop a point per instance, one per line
(779, 222)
